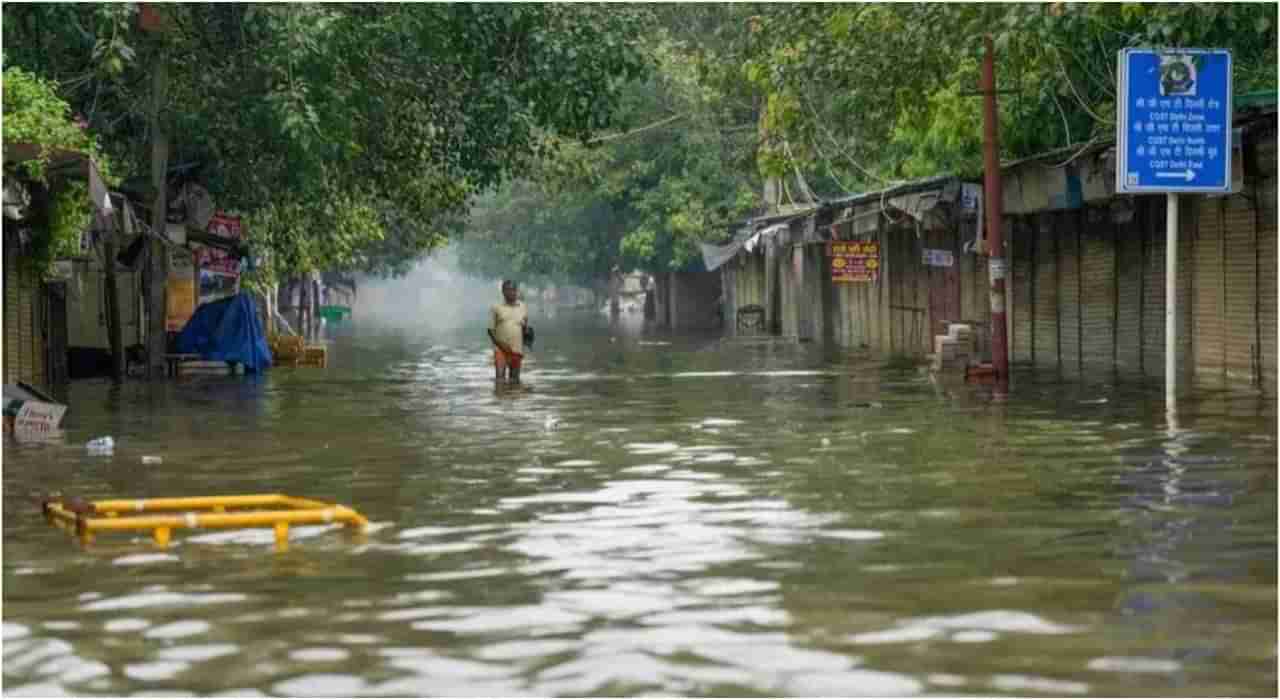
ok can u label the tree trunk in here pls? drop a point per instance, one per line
(314, 285)
(304, 305)
(158, 260)
(270, 299)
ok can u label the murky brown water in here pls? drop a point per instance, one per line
(684, 518)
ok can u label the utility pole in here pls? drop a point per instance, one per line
(997, 263)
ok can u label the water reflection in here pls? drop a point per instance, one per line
(655, 515)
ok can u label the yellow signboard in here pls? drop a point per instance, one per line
(854, 261)
(180, 303)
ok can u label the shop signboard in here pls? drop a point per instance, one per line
(854, 261)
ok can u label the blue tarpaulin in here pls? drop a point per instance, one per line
(227, 330)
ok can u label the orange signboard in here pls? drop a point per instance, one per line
(854, 261)
(180, 303)
(180, 292)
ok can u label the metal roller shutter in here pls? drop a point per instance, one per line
(1046, 292)
(1208, 309)
(1129, 267)
(1264, 152)
(1153, 288)
(1069, 285)
(11, 344)
(1097, 291)
(1023, 265)
(1241, 289)
(1186, 284)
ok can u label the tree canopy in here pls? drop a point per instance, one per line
(866, 94)
(35, 114)
(349, 135)
(678, 170)
(558, 141)
(828, 99)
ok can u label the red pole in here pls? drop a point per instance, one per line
(997, 263)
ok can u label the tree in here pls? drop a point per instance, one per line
(678, 172)
(326, 123)
(60, 208)
(866, 94)
(35, 114)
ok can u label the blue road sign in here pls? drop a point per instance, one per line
(1173, 132)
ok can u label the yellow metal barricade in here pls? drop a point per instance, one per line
(162, 516)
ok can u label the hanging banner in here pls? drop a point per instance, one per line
(854, 261)
(219, 271)
(215, 286)
(214, 259)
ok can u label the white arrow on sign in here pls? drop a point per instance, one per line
(1185, 175)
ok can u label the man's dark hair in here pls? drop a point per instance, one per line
(509, 283)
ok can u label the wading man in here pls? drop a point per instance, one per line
(507, 322)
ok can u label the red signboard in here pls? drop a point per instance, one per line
(220, 261)
(854, 261)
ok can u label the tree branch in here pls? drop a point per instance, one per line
(612, 137)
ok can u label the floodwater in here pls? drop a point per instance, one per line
(654, 515)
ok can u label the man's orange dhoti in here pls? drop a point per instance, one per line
(502, 359)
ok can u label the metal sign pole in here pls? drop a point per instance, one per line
(1171, 303)
(1173, 135)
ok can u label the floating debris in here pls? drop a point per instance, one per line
(101, 446)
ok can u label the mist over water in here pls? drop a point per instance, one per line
(435, 296)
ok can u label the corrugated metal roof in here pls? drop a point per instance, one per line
(894, 191)
(1264, 101)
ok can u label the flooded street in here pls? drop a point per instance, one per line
(654, 515)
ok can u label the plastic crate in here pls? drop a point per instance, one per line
(287, 350)
(315, 356)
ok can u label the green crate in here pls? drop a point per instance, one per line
(334, 313)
